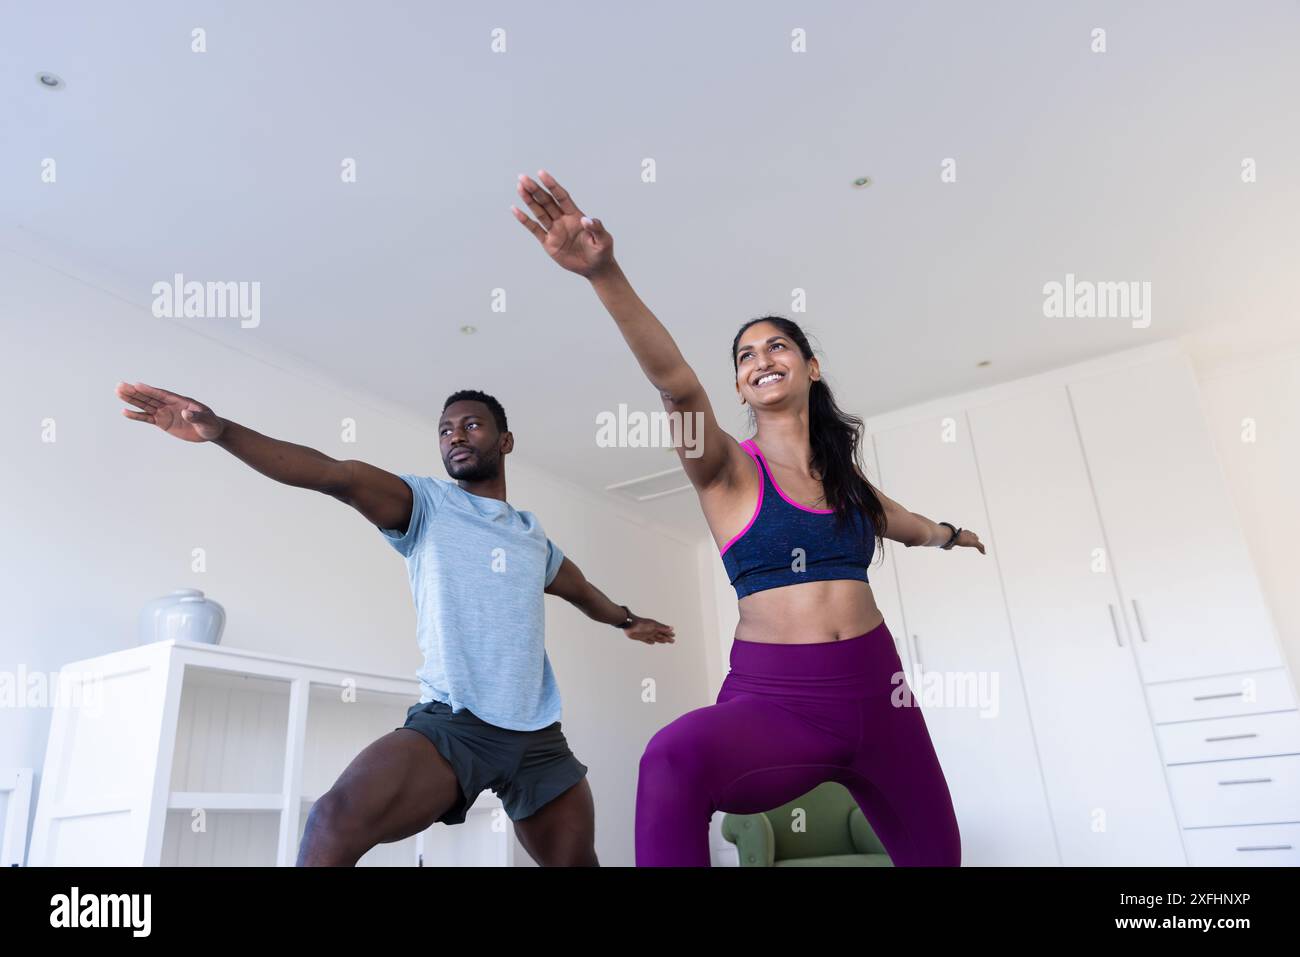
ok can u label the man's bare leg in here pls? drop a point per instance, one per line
(398, 786)
(562, 832)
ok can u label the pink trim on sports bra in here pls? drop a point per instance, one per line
(788, 499)
(746, 445)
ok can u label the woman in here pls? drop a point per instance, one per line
(810, 694)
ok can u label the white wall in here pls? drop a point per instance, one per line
(103, 519)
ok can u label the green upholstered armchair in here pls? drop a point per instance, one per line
(832, 832)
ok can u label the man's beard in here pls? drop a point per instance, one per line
(476, 469)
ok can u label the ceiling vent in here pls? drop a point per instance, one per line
(650, 487)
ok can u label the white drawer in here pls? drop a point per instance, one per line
(1250, 692)
(1253, 791)
(1276, 845)
(1241, 736)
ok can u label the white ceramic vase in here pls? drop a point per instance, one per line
(184, 615)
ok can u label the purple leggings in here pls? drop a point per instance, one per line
(788, 718)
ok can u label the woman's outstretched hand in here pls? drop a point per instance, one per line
(575, 241)
(969, 539)
(176, 415)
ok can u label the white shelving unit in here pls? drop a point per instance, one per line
(16, 790)
(186, 754)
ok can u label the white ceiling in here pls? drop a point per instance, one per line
(225, 165)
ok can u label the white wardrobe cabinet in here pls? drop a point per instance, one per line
(1147, 715)
(955, 625)
(1096, 745)
(1190, 591)
(1220, 694)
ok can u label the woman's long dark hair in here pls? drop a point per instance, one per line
(835, 436)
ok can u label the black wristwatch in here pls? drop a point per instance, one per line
(955, 532)
(628, 621)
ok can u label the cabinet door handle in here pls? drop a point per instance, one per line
(1114, 623)
(1142, 632)
(916, 643)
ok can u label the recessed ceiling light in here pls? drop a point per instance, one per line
(984, 362)
(51, 81)
(469, 330)
(862, 182)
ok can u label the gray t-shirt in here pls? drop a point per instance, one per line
(477, 569)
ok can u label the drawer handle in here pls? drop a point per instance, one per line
(1248, 781)
(1142, 632)
(1210, 697)
(1266, 847)
(1114, 624)
(1232, 737)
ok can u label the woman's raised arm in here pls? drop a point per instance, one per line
(581, 244)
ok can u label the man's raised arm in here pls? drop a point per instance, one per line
(380, 496)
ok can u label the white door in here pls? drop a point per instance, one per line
(956, 626)
(1098, 749)
(1187, 580)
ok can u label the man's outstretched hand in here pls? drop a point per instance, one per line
(650, 631)
(176, 415)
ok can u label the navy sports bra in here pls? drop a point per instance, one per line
(786, 543)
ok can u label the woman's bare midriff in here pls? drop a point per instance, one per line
(808, 613)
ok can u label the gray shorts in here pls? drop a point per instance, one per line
(525, 769)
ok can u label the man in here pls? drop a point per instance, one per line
(489, 710)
